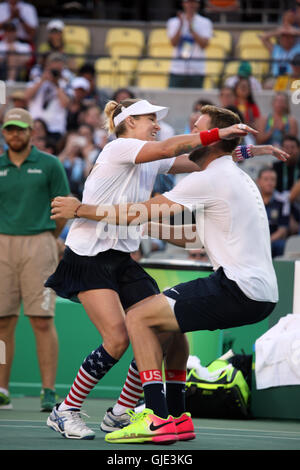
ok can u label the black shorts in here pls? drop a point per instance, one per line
(110, 269)
(215, 303)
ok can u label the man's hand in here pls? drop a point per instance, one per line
(270, 150)
(237, 130)
(64, 207)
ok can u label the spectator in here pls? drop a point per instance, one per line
(287, 177)
(76, 107)
(93, 118)
(195, 114)
(283, 51)
(16, 99)
(55, 43)
(14, 55)
(288, 172)
(28, 250)
(48, 98)
(73, 161)
(245, 102)
(291, 17)
(277, 208)
(279, 123)
(96, 96)
(23, 15)
(89, 150)
(122, 94)
(286, 82)
(189, 33)
(244, 71)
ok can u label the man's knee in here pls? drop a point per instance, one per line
(42, 324)
(8, 324)
(134, 319)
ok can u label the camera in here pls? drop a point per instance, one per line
(55, 73)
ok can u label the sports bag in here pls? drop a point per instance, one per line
(227, 396)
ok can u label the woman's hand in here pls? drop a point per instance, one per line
(237, 130)
(64, 207)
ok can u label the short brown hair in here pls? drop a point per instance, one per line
(222, 117)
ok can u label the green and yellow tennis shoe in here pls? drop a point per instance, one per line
(145, 427)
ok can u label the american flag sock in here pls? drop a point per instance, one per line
(93, 368)
(131, 391)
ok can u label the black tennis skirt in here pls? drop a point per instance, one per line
(110, 269)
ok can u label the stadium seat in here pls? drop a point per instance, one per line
(222, 39)
(77, 35)
(213, 68)
(259, 69)
(248, 39)
(114, 72)
(230, 69)
(159, 44)
(153, 73)
(125, 42)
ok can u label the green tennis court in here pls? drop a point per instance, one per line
(24, 428)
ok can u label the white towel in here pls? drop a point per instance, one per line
(277, 354)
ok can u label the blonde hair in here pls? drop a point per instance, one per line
(111, 110)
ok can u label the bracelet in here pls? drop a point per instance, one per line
(76, 210)
(210, 136)
(244, 152)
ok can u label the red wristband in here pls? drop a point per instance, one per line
(210, 136)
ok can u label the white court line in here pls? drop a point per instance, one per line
(200, 428)
(200, 431)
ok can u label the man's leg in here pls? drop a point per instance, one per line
(47, 349)
(7, 335)
(175, 372)
(142, 323)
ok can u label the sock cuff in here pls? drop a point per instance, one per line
(151, 376)
(175, 375)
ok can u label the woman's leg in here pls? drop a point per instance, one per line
(105, 311)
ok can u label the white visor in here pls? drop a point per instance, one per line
(139, 108)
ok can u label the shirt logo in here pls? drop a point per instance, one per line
(34, 170)
(3, 172)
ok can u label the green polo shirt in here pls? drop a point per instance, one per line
(26, 193)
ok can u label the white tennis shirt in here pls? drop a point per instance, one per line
(115, 179)
(235, 225)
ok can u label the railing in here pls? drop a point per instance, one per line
(119, 74)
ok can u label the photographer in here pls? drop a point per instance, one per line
(47, 96)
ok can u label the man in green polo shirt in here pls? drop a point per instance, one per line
(29, 180)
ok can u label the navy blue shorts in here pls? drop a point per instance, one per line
(110, 269)
(214, 303)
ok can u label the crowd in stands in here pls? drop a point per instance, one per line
(67, 105)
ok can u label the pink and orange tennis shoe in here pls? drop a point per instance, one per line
(185, 427)
(146, 427)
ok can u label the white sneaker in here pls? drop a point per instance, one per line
(112, 422)
(69, 423)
